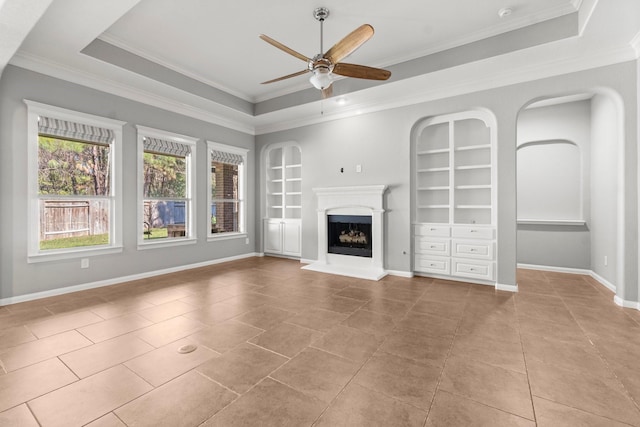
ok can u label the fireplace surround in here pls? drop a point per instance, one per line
(356, 215)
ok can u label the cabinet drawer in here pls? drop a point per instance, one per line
(478, 249)
(432, 230)
(426, 245)
(432, 265)
(471, 232)
(474, 269)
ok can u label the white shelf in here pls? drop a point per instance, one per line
(283, 166)
(294, 207)
(472, 167)
(473, 187)
(433, 188)
(293, 179)
(293, 193)
(276, 167)
(293, 166)
(439, 151)
(433, 207)
(275, 194)
(473, 207)
(445, 169)
(473, 147)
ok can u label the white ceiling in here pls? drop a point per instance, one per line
(216, 43)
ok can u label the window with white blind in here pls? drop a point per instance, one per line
(227, 190)
(74, 180)
(166, 187)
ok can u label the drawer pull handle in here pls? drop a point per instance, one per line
(432, 247)
(432, 265)
(433, 229)
(472, 250)
(473, 231)
(472, 269)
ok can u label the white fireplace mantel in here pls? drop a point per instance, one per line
(354, 200)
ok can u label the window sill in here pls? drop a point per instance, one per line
(72, 254)
(575, 222)
(165, 243)
(225, 236)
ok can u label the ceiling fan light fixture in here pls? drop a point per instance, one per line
(321, 78)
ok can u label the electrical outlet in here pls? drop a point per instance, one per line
(84, 263)
(358, 168)
(246, 241)
(606, 260)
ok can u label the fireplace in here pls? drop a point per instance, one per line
(350, 231)
(349, 235)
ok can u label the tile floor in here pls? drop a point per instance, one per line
(280, 346)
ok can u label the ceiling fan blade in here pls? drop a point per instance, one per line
(288, 76)
(284, 48)
(327, 92)
(361, 71)
(349, 44)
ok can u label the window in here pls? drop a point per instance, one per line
(227, 189)
(166, 188)
(74, 177)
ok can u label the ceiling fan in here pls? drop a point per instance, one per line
(324, 66)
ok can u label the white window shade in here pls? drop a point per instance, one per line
(48, 126)
(163, 146)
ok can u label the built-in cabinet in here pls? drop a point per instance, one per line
(282, 223)
(454, 196)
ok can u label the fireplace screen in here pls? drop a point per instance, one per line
(349, 235)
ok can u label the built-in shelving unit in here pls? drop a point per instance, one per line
(282, 223)
(454, 196)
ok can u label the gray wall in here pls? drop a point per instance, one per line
(381, 143)
(554, 245)
(17, 277)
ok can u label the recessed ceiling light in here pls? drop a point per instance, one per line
(504, 12)
(341, 101)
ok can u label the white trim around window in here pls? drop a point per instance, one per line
(190, 158)
(236, 156)
(35, 254)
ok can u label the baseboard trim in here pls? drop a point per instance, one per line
(506, 288)
(121, 279)
(626, 304)
(556, 269)
(306, 261)
(400, 273)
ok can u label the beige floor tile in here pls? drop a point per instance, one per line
(318, 319)
(243, 367)
(108, 420)
(269, 404)
(376, 324)
(88, 399)
(599, 395)
(218, 312)
(551, 414)
(265, 317)
(166, 363)
(434, 325)
(450, 310)
(114, 327)
(63, 323)
(33, 381)
(542, 328)
(12, 337)
(350, 343)
(19, 416)
(201, 399)
(76, 304)
(120, 307)
(404, 379)
(207, 297)
(225, 336)
(536, 287)
(417, 346)
(36, 351)
(163, 296)
(359, 406)
(166, 311)
(581, 358)
(98, 357)
(340, 304)
(496, 387)
(393, 308)
(488, 327)
(356, 293)
(169, 330)
(503, 354)
(286, 339)
(316, 373)
(451, 410)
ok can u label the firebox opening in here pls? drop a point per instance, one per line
(350, 235)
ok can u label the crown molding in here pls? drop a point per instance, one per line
(57, 70)
(635, 44)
